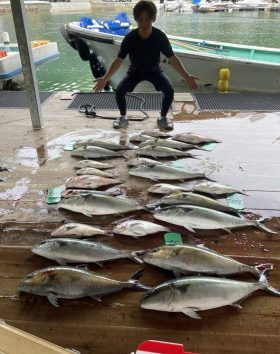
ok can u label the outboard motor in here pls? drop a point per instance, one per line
(85, 54)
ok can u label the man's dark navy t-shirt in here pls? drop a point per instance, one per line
(144, 54)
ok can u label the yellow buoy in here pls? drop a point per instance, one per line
(223, 86)
(224, 74)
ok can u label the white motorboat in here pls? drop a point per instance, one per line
(251, 5)
(10, 63)
(253, 69)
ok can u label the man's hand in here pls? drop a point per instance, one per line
(99, 84)
(190, 81)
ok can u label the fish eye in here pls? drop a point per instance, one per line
(42, 243)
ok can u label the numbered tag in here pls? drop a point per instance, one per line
(54, 195)
(235, 201)
(173, 238)
(209, 146)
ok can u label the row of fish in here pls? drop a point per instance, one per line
(187, 294)
(189, 214)
(184, 208)
(92, 177)
(153, 143)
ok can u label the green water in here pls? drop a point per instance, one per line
(70, 73)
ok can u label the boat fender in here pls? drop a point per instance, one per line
(223, 86)
(224, 75)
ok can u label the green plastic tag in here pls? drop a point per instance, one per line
(68, 147)
(54, 195)
(235, 201)
(209, 146)
(173, 238)
(177, 164)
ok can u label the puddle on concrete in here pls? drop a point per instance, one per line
(17, 191)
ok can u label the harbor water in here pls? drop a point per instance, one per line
(70, 73)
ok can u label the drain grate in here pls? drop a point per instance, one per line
(107, 101)
(18, 99)
(237, 101)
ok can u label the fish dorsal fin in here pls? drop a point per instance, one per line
(52, 299)
(188, 227)
(96, 297)
(237, 306)
(177, 273)
(191, 312)
(227, 230)
(83, 267)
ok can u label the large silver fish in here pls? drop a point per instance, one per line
(215, 189)
(191, 138)
(142, 161)
(156, 134)
(192, 294)
(74, 283)
(78, 230)
(195, 199)
(95, 152)
(163, 172)
(68, 193)
(93, 171)
(139, 138)
(165, 188)
(90, 182)
(162, 151)
(138, 228)
(69, 250)
(91, 205)
(106, 144)
(187, 259)
(93, 164)
(173, 144)
(194, 217)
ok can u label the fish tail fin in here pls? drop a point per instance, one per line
(133, 281)
(266, 286)
(264, 228)
(260, 268)
(134, 257)
(209, 179)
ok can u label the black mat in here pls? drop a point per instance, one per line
(150, 101)
(237, 101)
(18, 99)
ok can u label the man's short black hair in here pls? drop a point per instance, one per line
(145, 6)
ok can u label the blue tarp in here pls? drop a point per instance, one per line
(120, 25)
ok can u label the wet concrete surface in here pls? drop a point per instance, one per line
(247, 159)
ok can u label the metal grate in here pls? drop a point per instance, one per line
(18, 99)
(107, 101)
(237, 101)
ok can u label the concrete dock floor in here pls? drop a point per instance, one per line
(247, 158)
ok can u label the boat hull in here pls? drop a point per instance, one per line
(10, 65)
(245, 74)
